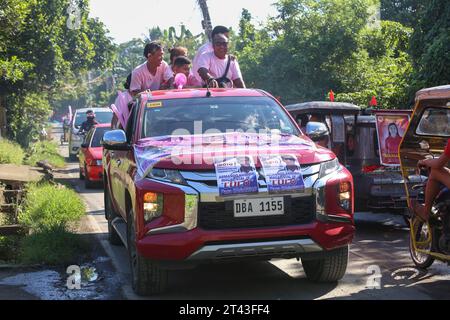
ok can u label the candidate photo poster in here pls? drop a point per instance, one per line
(391, 128)
(283, 173)
(236, 175)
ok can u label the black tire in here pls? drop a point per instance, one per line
(81, 175)
(146, 277)
(73, 157)
(421, 260)
(110, 215)
(88, 184)
(331, 268)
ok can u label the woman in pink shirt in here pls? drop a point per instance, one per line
(393, 141)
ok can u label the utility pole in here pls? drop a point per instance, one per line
(206, 22)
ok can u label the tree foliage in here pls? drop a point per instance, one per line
(43, 56)
(313, 46)
(171, 38)
(430, 45)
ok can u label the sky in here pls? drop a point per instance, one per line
(128, 19)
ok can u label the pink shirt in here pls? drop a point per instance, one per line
(142, 79)
(447, 149)
(193, 81)
(121, 104)
(217, 67)
(207, 47)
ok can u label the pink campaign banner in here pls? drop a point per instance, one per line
(391, 127)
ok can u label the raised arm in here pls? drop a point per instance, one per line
(208, 78)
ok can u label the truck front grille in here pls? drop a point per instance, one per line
(219, 215)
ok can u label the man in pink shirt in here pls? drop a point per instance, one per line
(154, 74)
(218, 68)
(207, 47)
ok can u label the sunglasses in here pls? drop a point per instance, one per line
(221, 44)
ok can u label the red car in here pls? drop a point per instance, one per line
(223, 175)
(90, 157)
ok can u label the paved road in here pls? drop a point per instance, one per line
(381, 244)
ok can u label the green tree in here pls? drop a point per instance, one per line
(381, 67)
(247, 31)
(129, 55)
(27, 115)
(306, 40)
(170, 38)
(12, 68)
(405, 12)
(42, 55)
(430, 45)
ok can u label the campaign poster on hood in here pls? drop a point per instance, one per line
(391, 127)
(283, 173)
(236, 175)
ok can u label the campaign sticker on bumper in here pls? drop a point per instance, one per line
(236, 176)
(283, 173)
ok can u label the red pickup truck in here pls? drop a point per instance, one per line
(201, 176)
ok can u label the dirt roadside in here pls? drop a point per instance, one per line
(99, 280)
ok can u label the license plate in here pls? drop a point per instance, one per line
(258, 207)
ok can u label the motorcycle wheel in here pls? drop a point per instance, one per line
(421, 232)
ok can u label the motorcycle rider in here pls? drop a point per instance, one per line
(89, 123)
(439, 175)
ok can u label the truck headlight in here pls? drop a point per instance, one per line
(328, 167)
(173, 176)
(153, 206)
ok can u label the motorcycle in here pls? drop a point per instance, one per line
(427, 136)
(430, 240)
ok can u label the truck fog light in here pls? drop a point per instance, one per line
(345, 195)
(153, 206)
(190, 211)
(345, 204)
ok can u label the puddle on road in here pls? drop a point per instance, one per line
(85, 282)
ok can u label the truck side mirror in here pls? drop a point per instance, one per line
(316, 131)
(115, 140)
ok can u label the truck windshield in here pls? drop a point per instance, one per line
(100, 117)
(214, 115)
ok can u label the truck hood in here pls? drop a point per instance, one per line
(199, 152)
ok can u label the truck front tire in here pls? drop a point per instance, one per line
(147, 278)
(330, 268)
(113, 237)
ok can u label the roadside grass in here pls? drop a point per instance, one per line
(9, 248)
(48, 206)
(11, 153)
(45, 150)
(51, 213)
(53, 246)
